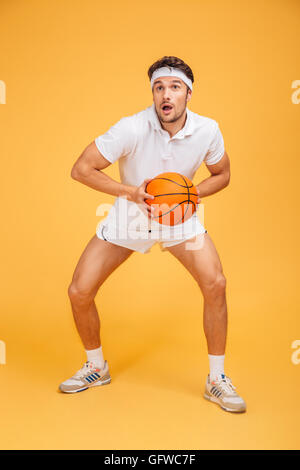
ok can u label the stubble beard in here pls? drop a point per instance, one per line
(174, 119)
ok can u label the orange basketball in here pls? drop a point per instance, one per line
(175, 198)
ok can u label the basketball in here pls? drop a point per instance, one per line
(175, 198)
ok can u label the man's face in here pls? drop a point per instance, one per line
(173, 92)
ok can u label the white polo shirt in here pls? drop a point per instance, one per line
(144, 149)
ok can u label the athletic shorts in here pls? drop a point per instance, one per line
(143, 240)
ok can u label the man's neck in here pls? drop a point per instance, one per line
(173, 127)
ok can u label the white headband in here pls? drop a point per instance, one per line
(171, 72)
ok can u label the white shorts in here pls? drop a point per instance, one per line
(143, 240)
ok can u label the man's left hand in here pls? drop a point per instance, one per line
(198, 200)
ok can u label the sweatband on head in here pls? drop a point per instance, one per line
(171, 72)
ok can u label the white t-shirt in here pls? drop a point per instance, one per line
(144, 149)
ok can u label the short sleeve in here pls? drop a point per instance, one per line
(118, 141)
(216, 148)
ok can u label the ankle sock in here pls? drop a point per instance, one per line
(216, 365)
(95, 356)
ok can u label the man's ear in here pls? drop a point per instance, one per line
(189, 95)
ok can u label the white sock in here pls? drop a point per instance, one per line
(216, 365)
(95, 356)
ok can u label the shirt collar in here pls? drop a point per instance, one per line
(187, 129)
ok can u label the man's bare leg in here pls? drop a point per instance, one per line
(99, 259)
(205, 266)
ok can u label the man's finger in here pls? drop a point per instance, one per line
(148, 196)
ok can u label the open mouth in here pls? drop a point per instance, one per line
(167, 108)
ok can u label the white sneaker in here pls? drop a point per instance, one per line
(222, 392)
(88, 376)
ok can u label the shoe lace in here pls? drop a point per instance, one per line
(83, 371)
(226, 385)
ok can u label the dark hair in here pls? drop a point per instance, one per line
(171, 61)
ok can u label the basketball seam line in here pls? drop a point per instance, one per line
(188, 196)
(174, 194)
(157, 216)
(185, 211)
(186, 186)
(167, 179)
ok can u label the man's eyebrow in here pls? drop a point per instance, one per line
(173, 81)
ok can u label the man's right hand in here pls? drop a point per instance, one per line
(138, 195)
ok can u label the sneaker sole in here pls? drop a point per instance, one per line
(215, 400)
(104, 382)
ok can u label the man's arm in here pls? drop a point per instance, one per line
(87, 170)
(219, 179)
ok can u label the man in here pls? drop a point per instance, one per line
(164, 137)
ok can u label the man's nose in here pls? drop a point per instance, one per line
(167, 93)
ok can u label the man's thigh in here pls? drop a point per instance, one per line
(98, 260)
(199, 256)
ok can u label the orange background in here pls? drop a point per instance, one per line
(72, 69)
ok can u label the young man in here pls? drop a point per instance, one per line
(166, 136)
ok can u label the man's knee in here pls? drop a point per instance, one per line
(80, 294)
(215, 286)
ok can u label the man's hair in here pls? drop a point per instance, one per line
(171, 61)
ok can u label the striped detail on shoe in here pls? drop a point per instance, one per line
(222, 392)
(91, 378)
(216, 392)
